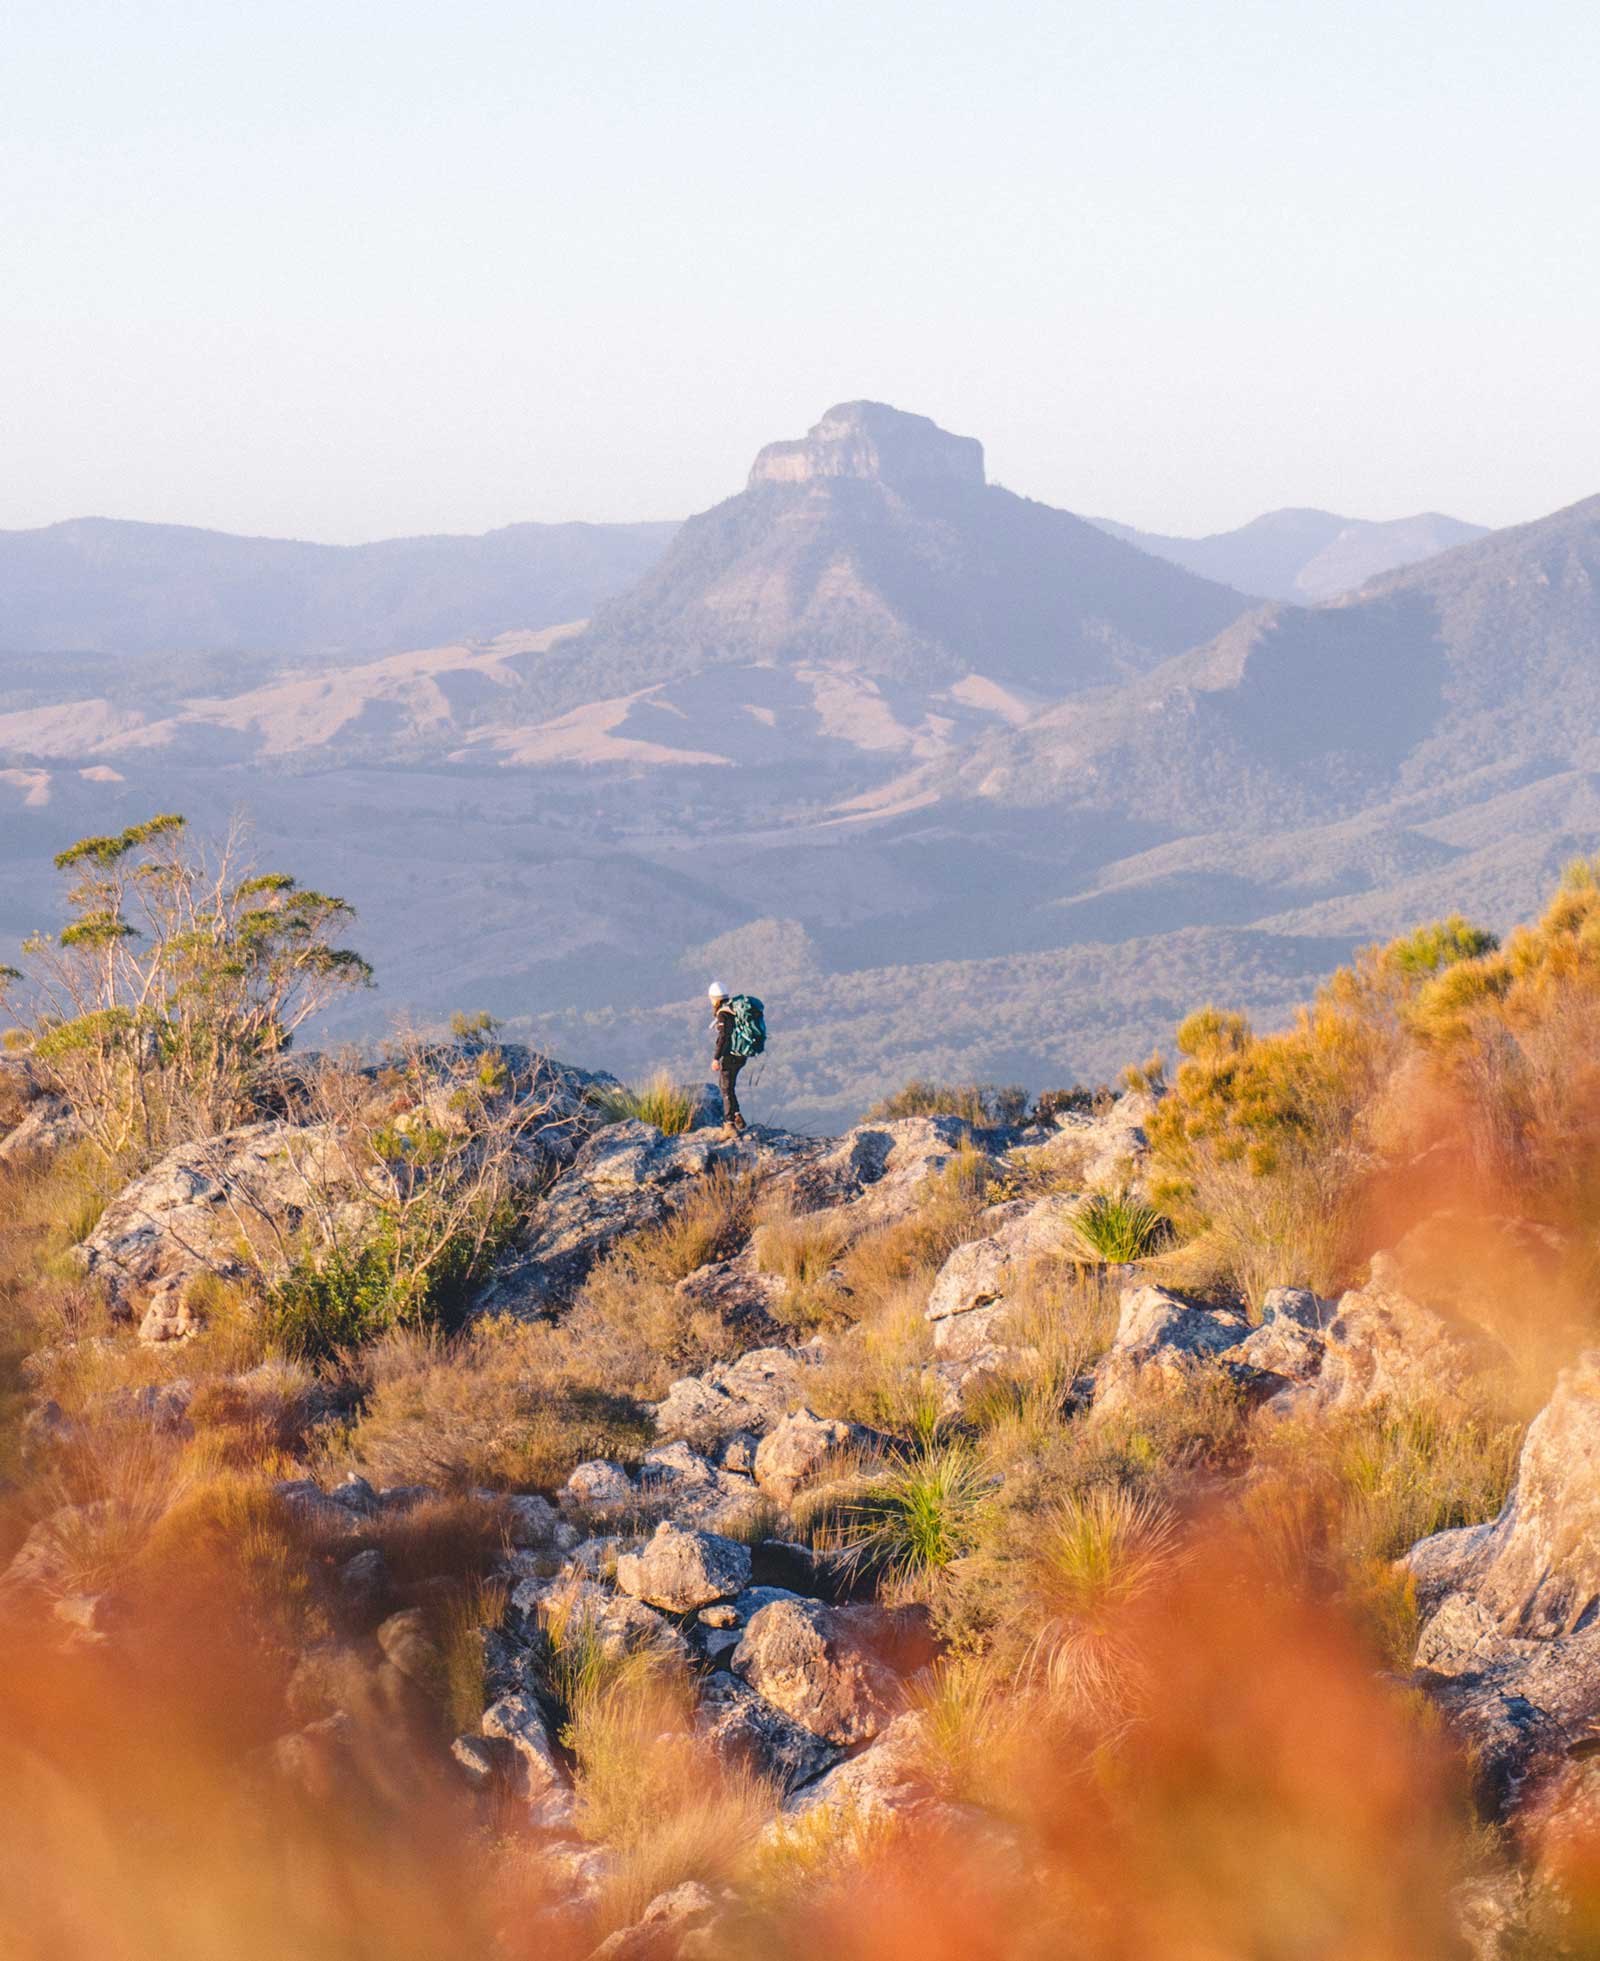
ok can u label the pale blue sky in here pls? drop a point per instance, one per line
(347, 269)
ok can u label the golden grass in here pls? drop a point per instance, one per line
(652, 1791)
(669, 1105)
(500, 1405)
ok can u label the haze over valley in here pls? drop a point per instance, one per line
(961, 783)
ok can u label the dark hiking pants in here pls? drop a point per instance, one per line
(727, 1077)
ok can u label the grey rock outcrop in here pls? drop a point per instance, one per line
(1510, 1639)
(1162, 1340)
(887, 1780)
(47, 1126)
(598, 1485)
(515, 1719)
(1101, 1152)
(678, 1482)
(823, 1666)
(626, 1177)
(974, 1285)
(738, 1290)
(680, 1571)
(799, 1446)
(677, 1926)
(752, 1394)
(744, 1728)
(229, 1206)
(1289, 1342)
(1384, 1343)
(878, 1173)
(620, 1624)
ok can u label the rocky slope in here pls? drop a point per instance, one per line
(699, 1548)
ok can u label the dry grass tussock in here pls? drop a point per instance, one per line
(512, 1404)
(671, 1106)
(650, 1789)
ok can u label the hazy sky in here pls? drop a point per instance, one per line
(358, 267)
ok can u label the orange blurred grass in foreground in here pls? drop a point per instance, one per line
(140, 1817)
(1246, 1786)
(1258, 1791)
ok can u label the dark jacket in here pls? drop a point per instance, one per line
(722, 1026)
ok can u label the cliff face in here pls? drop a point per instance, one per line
(874, 442)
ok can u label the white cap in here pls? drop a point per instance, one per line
(717, 991)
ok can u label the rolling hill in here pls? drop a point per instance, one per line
(952, 779)
(101, 585)
(1303, 555)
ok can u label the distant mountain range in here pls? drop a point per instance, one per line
(1304, 556)
(958, 782)
(100, 585)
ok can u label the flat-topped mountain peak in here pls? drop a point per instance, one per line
(874, 442)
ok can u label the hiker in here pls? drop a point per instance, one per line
(738, 1023)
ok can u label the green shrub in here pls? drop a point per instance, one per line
(337, 1300)
(1264, 1145)
(179, 978)
(917, 1518)
(1118, 1228)
(670, 1106)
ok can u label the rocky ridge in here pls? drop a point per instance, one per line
(698, 1547)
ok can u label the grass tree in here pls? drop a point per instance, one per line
(181, 972)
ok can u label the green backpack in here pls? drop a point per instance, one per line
(749, 1033)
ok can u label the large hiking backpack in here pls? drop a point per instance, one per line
(749, 1035)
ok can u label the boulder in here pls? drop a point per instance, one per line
(356, 1492)
(47, 1126)
(823, 1666)
(598, 1485)
(409, 1647)
(676, 1926)
(227, 1205)
(314, 1507)
(971, 1293)
(532, 1523)
(622, 1625)
(484, 1761)
(1088, 1151)
(626, 1177)
(44, 1560)
(1162, 1340)
(743, 1728)
(750, 1395)
(1510, 1635)
(364, 1586)
(738, 1290)
(1289, 1341)
(680, 1571)
(515, 1719)
(886, 1781)
(737, 1454)
(1383, 1343)
(691, 1489)
(877, 1173)
(798, 1448)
